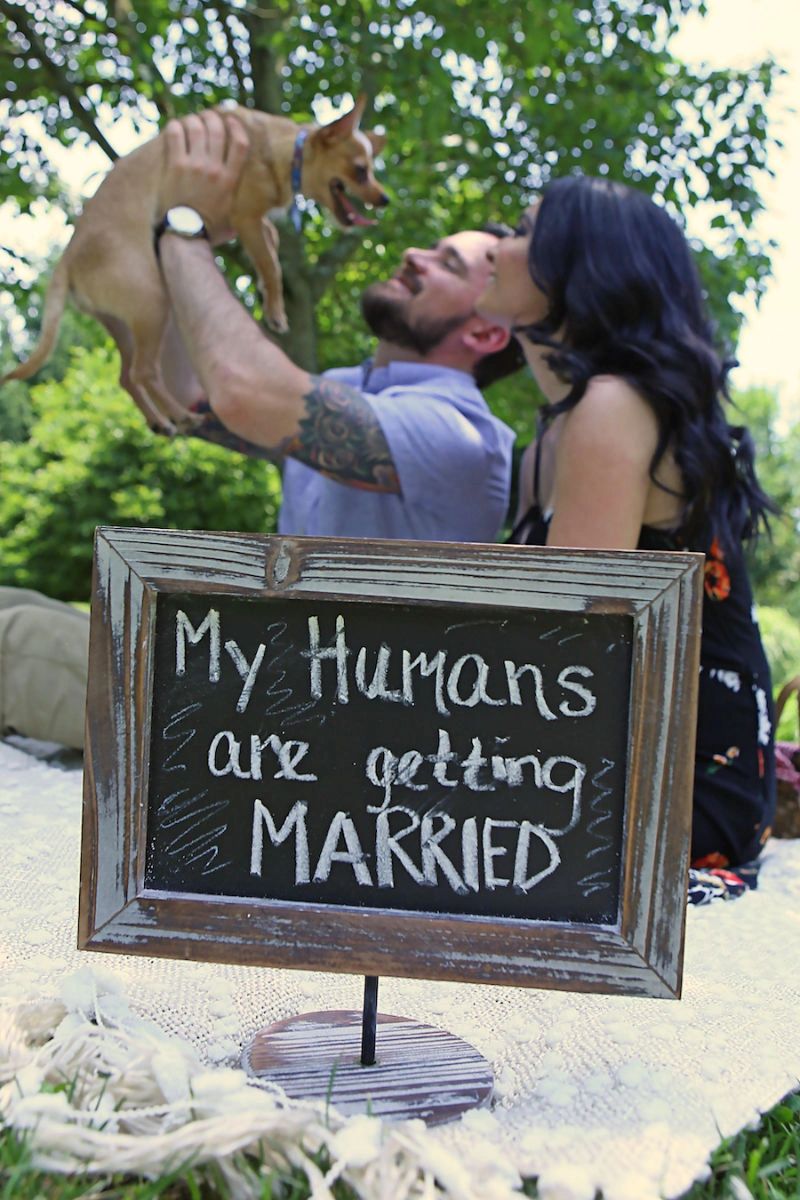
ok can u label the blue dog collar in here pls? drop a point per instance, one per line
(297, 169)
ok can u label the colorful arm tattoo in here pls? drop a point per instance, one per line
(339, 436)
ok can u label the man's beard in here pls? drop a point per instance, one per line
(386, 319)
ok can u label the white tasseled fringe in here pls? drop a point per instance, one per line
(98, 1089)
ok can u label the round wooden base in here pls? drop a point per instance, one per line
(419, 1071)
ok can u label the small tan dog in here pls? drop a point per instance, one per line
(110, 269)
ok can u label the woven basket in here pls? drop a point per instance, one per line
(787, 754)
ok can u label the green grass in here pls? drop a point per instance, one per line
(762, 1162)
(20, 1180)
(764, 1159)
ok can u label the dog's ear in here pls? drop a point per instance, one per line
(377, 140)
(343, 127)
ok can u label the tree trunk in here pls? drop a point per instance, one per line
(265, 66)
(300, 343)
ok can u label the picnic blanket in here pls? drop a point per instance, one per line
(593, 1092)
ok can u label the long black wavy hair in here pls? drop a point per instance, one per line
(624, 299)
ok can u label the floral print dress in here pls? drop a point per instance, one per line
(734, 778)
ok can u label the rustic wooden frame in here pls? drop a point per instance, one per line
(640, 955)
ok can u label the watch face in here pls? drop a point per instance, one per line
(185, 220)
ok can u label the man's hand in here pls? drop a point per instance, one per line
(205, 156)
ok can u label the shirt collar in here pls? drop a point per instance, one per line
(406, 374)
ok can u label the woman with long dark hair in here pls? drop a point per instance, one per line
(634, 451)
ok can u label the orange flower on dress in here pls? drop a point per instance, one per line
(725, 760)
(717, 581)
(715, 860)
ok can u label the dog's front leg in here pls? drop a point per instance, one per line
(260, 239)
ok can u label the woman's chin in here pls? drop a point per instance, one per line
(486, 306)
(483, 305)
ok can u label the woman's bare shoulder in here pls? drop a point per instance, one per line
(612, 411)
(612, 394)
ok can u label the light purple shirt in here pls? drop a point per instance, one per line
(453, 459)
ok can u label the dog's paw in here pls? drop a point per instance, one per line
(277, 322)
(163, 427)
(190, 422)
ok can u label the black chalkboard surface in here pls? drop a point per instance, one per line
(437, 760)
(463, 762)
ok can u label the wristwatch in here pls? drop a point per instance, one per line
(184, 221)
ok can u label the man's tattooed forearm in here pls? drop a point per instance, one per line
(341, 437)
(210, 429)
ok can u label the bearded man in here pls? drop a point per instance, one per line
(403, 446)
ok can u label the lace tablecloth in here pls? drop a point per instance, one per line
(626, 1095)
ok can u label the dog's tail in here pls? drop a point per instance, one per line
(54, 303)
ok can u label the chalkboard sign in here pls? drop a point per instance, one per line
(391, 758)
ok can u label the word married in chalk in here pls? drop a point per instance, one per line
(460, 861)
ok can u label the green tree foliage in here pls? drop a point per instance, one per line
(90, 460)
(15, 409)
(775, 559)
(482, 103)
(16, 414)
(781, 635)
